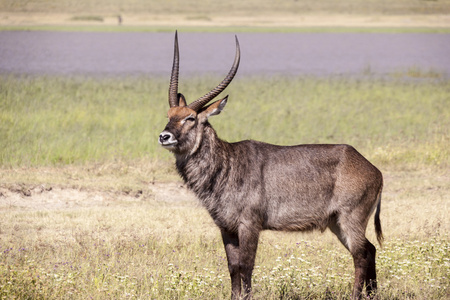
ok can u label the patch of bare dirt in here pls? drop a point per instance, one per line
(46, 197)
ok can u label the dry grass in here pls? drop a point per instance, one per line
(231, 7)
(157, 242)
(166, 22)
(203, 14)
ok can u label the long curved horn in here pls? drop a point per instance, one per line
(202, 101)
(173, 88)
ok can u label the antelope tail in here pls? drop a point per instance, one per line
(378, 230)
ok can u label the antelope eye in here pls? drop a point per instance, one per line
(190, 119)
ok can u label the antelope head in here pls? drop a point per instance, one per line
(183, 132)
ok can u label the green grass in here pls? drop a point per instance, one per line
(49, 121)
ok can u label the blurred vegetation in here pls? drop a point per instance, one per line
(204, 8)
(398, 121)
(87, 18)
(232, 29)
(227, 16)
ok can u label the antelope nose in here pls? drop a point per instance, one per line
(164, 137)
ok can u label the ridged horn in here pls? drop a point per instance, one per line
(173, 87)
(202, 101)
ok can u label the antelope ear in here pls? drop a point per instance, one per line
(181, 100)
(213, 109)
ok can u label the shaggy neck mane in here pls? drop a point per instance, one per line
(202, 169)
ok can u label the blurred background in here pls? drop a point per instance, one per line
(264, 13)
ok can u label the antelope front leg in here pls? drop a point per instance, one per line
(248, 244)
(231, 243)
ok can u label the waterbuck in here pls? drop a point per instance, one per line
(250, 186)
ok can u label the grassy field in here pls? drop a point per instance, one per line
(150, 248)
(395, 122)
(91, 207)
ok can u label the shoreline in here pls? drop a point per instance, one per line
(260, 22)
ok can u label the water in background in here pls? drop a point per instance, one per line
(117, 54)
